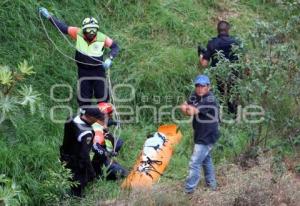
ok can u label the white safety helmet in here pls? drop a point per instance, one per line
(90, 22)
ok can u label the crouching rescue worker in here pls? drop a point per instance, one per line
(202, 105)
(90, 45)
(77, 143)
(106, 146)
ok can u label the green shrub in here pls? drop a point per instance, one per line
(11, 193)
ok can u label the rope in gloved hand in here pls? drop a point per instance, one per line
(64, 36)
(117, 129)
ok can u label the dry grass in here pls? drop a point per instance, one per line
(237, 186)
(226, 10)
(164, 195)
(255, 186)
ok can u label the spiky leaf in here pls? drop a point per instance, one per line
(8, 104)
(29, 97)
(6, 77)
(25, 68)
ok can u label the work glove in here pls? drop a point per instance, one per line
(109, 145)
(44, 12)
(107, 63)
(108, 152)
(112, 122)
(112, 154)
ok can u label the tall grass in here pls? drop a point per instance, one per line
(158, 58)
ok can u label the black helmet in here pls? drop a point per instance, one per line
(93, 112)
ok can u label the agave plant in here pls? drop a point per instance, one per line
(8, 105)
(12, 99)
(6, 76)
(29, 97)
(25, 68)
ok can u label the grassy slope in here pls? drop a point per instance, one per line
(158, 57)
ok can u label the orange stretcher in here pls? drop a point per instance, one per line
(154, 158)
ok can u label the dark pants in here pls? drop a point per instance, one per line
(92, 82)
(225, 88)
(113, 169)
(82, 172)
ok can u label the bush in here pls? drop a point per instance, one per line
(15, 95)
(11, 193)
(267, 77)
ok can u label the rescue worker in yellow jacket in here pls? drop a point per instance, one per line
(90, 45)
(106, 146)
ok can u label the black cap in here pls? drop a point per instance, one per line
(93, 112)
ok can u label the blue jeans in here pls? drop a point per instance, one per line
(201, 157)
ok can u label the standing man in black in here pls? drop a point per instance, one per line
(222, 43)
(77, 143)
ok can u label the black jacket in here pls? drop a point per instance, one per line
(221, 42)
(206, 122)
(78, 139)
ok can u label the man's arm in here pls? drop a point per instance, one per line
(209, 108)
(98, 148)
(189, 110)
(203, 61)
(61, 26)
(205, 57)
(183, 108)
(64, 28)
(84, 154)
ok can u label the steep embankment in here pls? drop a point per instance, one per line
(158, 58)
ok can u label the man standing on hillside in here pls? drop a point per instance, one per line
(202, 105)
(222, 43)
(90, 44)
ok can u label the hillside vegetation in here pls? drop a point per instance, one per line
(158, 40)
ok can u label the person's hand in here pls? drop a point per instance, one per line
(191, 110)
(201, 50)
(44, 12)
(183, 108)
(100, 150)
(112, 122)
(112, 154)
(107, 63)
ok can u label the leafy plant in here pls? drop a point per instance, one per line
(25, 69)
(57, 185)
(11, 193)
(15, 95)
(265, 77)
(29, 97)
(6, 77)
